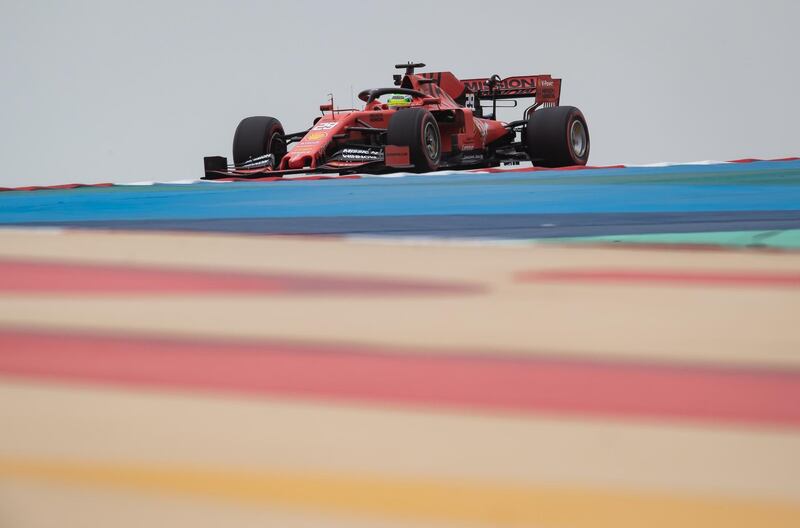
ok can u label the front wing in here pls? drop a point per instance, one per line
(348, 159)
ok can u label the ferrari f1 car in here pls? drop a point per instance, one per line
(425, 122)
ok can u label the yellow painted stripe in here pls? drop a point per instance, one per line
(420, 499)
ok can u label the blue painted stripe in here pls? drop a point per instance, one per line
(754, 187)
(511, 226)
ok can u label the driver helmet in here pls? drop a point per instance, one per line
(399, 100)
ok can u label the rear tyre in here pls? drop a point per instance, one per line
(257, 136)
(417, 129)
(557, 137)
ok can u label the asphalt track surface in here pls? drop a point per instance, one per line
(761, 196)
(166, 362)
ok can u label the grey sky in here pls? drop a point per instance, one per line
(125, 91)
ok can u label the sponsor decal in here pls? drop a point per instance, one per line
(547, 90)
(513, 86)
(482, 127)
(313, 136)
(512, 83)
(397, 156)
(359, 154)
(256, 163)
(471, 157)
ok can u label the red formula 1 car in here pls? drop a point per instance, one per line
(430, 121)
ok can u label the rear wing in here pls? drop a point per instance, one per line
(544, 88)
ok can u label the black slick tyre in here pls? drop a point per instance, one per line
(557, 137)
(417, 129)
(257, 136)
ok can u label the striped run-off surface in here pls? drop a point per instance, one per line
(154, 374)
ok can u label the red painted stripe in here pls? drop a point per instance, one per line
(587, 167)
(538, 169)
(56, 187)
(305, 178)
(672, 277)
(410, 377)
(263, 179)
(20, 276)
(297, 178)
(753, 160)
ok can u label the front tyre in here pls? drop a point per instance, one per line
(417, 129)
(256, 137)
(557, 137)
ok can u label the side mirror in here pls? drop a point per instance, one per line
(431, 100)
(325, 107)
